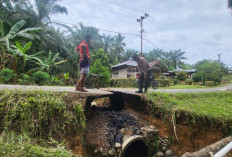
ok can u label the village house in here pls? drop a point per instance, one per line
(128, 69)
(172, 74)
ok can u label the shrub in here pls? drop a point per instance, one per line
(98, 68)
(163, 82)
(209, 83)
(25, 80)
(41, 77)
(56, 80)
(189, 81)
(7, 75)
(181, 76)
(175, 81)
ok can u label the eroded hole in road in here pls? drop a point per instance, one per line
(108, 126)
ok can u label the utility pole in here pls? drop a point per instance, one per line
(219, 58)
(140, 20)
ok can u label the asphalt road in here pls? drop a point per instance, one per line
(105, 91)
(200, 90)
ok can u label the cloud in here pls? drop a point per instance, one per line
(201, 28)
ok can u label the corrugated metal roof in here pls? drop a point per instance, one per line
(186, 70)
(129, 63)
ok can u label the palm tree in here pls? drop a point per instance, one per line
(107, 42)
(129, 53)
(166, 59)
(230, 4)
(39, 13)
(177, 57)
(117, 48)
(153, 55)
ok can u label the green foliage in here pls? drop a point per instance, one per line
(209, 70)
(66, 75)
(25, 80)
(189, 81)
(56, 80)
(7, 75)
(98, 68)
(163, 82)
(209, 83)
(21, 145)
(181, 76)
(47, 63)
(40, 114)
(211, 106)
(40, 77)
(100, 55)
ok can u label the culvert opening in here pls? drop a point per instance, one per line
(136, 149)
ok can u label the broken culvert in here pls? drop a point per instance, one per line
(118, 131)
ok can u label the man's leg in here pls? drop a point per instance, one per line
(147, 81)
(79, 82)
(83, 77)
(141, 79)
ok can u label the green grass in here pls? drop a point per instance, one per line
(184, 87)
(12, 145)
(217, 106)
(43, 116)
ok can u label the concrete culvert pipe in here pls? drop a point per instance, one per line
(135, 146)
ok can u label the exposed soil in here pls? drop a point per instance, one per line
(190, 138)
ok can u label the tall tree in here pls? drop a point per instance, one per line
(41, 11)
(153, 55)
(126, 55)
(166, 60)
(117, 48)
(177, 57)
(107, 42)
(230, 4)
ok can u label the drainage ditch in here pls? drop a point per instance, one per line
(114, 128)
(121, 125)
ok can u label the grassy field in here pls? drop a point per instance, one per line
(184, 87)
(211, 105)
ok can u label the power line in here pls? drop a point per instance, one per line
(150, 43)
(99, 29)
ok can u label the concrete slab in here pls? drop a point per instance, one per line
(91, 92)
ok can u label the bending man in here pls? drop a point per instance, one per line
(144, 72)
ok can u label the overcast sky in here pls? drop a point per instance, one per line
(201, 28)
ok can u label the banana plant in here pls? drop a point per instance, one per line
(47, 63)
(10, 34)
(21, 57)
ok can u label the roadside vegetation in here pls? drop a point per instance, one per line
(32, 49)
(213, 107)
(37, 123)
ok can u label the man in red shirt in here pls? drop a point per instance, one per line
(83, 50)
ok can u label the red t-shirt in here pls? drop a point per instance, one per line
(80, 50)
